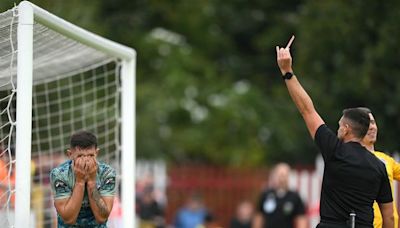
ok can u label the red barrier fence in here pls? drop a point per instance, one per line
(222, 189)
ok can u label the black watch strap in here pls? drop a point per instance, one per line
(287, 75)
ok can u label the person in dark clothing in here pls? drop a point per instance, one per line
(244, 215)
(353, 178)
(151, 214)
(280, 207)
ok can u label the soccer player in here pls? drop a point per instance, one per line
(83, 188)
(279, 207)
(353, 177)
(392, 167)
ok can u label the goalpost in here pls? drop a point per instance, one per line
(55, 79)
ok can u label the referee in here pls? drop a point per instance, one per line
(353, 177)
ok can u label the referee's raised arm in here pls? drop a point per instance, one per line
(299, 95)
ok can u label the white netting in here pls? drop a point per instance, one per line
(75, 87)
(8, 26)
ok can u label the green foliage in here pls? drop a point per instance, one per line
(208, 88)
(349, 53)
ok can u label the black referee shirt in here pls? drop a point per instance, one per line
(353, 179)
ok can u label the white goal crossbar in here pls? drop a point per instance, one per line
(29, 12)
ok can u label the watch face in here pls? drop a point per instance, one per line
(288, 75)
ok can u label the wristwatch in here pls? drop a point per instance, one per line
(287, 76)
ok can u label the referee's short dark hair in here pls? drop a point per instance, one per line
(83, 140)
(358, 119)
(365, 109)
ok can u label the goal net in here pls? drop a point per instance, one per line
(75, 85)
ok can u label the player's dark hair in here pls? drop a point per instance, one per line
(83, 140)
(358, 119)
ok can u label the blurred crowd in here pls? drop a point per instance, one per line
(276, 206)
(276, 203)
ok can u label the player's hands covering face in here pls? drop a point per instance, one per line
(79, 169)
(91, 169)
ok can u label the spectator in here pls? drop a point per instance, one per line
(280, 207)
(193, 214)
(210, 221)
(244, 215)
(149, 211)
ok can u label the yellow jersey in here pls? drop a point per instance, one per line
(393, 171)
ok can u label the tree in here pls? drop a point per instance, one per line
(208, 88)
(348, 53)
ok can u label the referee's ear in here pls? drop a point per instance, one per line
(348, 129)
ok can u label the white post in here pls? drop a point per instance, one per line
(24, 116)
(128, 146)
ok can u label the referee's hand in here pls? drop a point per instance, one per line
(284, 58)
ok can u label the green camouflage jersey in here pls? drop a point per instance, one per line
(63, 181)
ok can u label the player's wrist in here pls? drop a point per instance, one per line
(91, 184)
(80, 183)
(80, 178)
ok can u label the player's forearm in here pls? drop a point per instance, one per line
(387, 214)
(71, 209)
(299, 96)
(97, 204)
(388, 222)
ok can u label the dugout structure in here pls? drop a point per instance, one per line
(57, 78)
